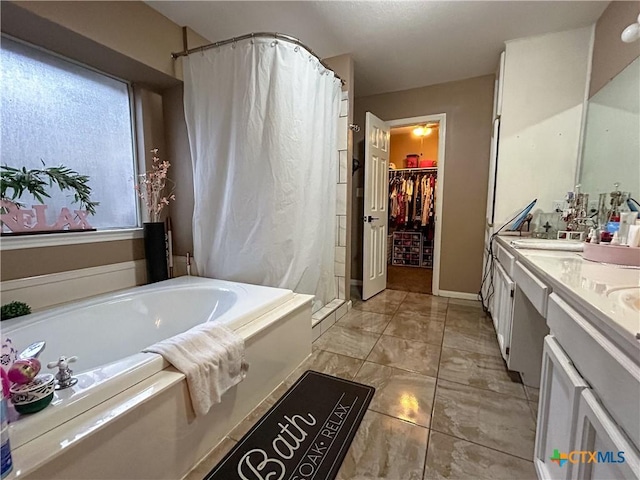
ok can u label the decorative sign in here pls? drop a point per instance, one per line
(305, 435)
(18, 220)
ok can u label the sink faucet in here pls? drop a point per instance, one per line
(64, 377)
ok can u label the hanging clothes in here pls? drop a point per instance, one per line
(425, 201)
(412, 200)
(409, 201)
(417, 211)
(393, 201)
(402, 200)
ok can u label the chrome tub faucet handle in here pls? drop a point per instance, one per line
(64, 377)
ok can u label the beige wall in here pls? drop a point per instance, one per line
(610, 54)
(126, 39)
(468, 105)
(131, 28)
(179, 154)
(42, 261)
(403, 144)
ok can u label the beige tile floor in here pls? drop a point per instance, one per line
(445, 406)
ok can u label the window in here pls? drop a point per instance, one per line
(59, 112)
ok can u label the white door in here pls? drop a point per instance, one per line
(376, 195)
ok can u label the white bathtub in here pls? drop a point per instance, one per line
(107, 334)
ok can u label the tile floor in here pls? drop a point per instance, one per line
(445, 406)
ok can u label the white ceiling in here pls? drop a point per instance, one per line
(396, 45)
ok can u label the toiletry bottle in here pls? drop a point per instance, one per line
(613, 225)
(6, 463)
(615, 240)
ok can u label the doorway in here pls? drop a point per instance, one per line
(414, 197)
(413, 178)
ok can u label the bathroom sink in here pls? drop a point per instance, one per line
(628, 297)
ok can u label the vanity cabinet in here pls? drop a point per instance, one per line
(572, 420)
(597, 432)
(502, 302)
(560, 389)
(610, 372)
(503, 309)
(518, 308)
(567, 332)
(529, 326)
(598, 407)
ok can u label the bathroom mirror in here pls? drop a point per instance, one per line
(611, 151)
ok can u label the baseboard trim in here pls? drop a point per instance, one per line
(45, 291)
(460, 295)
(356, 283)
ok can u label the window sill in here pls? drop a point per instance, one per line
(71, 238)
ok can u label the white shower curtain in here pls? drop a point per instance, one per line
(262, 120)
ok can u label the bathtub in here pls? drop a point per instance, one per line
(118, 386)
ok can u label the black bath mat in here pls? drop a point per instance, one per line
(305, 435)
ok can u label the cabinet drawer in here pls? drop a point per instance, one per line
(597, 432)
(536, 291)
(614, 376)
(506, 259)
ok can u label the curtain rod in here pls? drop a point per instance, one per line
(279, 36)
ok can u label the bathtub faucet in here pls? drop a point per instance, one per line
(63, 377)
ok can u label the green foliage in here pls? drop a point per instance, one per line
(14, 309)
(34, 181)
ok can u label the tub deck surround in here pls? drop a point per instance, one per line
(327, 316)
(127, 322)
(587, 285)
(94, 329)
(110, 390)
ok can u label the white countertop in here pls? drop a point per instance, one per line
(588, 286)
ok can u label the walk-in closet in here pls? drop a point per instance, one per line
(413, 172)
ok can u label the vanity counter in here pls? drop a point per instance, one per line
(572, 333)
(592, 288)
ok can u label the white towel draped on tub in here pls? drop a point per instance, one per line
(211, 357)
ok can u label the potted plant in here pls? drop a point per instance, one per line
(151, 189)
(14, 309)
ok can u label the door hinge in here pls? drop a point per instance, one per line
(511, 293)
(507, 351)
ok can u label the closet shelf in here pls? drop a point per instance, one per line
(416, 169)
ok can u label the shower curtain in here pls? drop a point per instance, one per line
(262, 120)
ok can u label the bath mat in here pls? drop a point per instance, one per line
(305, 435)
